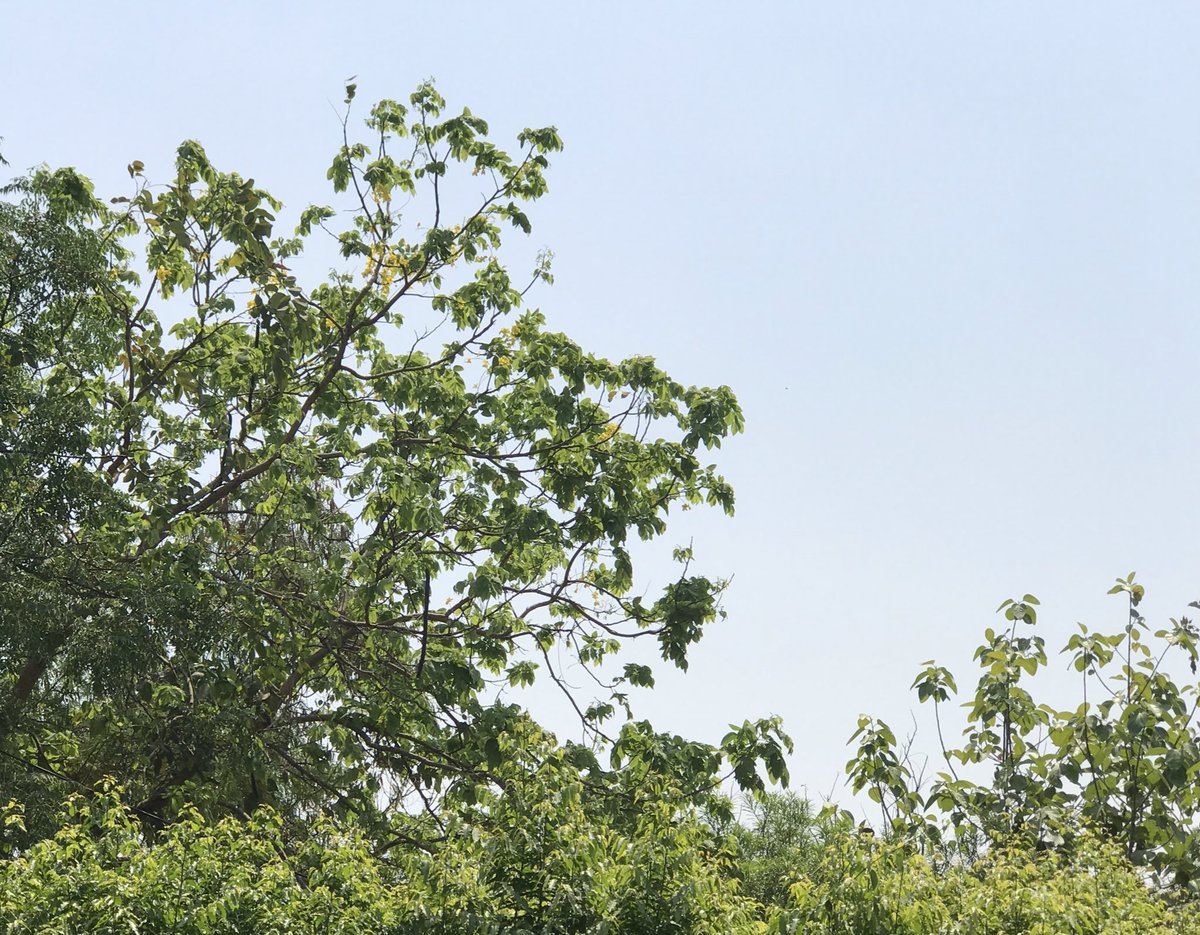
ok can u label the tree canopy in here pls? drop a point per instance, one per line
(270, 538)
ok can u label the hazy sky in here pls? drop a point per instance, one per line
(946, 253)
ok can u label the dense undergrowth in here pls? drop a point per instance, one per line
(100, 874)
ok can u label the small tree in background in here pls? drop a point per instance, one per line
(780, 839)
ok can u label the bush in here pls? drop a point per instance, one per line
(869, 887)
(545, 866)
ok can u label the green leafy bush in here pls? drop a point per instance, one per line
(543, 862)
(869, 887)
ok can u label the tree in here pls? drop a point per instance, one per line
(781, 839)
(272, 541)
(1123, 763)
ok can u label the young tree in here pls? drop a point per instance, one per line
(267, 540)
(1123, 763)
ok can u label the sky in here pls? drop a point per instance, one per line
(945, 253)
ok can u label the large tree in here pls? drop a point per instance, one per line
(275, 538)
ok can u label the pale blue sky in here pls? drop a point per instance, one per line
(946, 253)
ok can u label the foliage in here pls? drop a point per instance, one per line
(276, 550)
(541, 863)
(780, 838)
(1124, 762)
(270, 538)
(865, 886)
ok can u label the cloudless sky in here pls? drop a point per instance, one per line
(946, 254)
